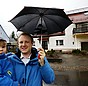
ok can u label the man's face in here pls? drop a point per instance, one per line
(25, 44)
(3, 49)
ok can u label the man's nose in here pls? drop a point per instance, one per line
(23, 43)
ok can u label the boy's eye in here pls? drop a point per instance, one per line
(3, 46)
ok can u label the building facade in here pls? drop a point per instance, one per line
(75, 35)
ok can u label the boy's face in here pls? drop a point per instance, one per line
(3, 48)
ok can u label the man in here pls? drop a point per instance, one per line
(6, 68)
(30, 69)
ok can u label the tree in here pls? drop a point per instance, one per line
(13, 35)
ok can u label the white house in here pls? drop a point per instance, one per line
(3, 34)
(63, 42)
(75, 36)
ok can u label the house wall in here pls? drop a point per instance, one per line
(36, 43)
(82, 38)
(68, 40)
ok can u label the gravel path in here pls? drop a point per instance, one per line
(71, 62)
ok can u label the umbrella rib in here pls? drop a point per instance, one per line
(27, 22)
(39, 11)
(53, 21)
(45, 11)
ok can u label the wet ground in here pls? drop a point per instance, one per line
(73, 71)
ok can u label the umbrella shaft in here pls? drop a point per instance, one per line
(41, 40)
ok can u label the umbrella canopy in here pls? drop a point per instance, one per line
(38, 20)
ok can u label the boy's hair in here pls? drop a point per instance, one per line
(2, 42)
(26, 34)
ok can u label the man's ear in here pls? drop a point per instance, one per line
(17, 43)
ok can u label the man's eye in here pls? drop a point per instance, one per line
(21, 42)
(27, 42)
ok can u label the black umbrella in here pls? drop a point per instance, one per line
(38, 20)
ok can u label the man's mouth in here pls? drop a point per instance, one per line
(24, 48)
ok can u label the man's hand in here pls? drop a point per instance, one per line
(41, 55)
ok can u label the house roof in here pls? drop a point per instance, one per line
(77, 11)
(4, 31)
(78, 15)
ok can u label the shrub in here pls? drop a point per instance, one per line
(76, 51)
(50, 53)
(83, 52)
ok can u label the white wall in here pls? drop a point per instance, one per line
(37, 44)
(68, 40)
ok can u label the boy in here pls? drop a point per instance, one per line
(6, 67)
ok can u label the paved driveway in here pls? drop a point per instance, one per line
(73, 71)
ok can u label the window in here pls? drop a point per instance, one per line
(73, 43)
(59, 42)
(82, 25)
(45, 45)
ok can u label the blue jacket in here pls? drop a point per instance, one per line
(32, 74)
(7, 77)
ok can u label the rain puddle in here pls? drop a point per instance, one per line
(70, 78)
(73, 71)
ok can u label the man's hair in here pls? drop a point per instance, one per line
(2, 42)
(26, 34)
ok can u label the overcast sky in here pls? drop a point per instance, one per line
(9, 8)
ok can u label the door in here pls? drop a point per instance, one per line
(84, 46)
(45, 45)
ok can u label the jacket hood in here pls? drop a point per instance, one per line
(33, 58)
(2, 56)
(8, 54)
